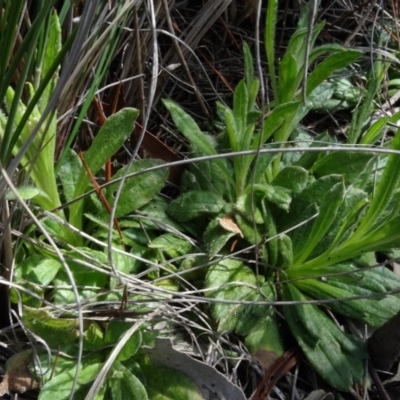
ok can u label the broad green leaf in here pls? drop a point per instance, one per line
(297, 42)
(88, 280)
(369, 311)
(314, 193)
(53, 47)
(265, 337)
(285, 251)
(138, 190)
(189, 182)
(34, 300)
(269, 42)
(303, 222)
(188, 127)
(156, 213)
(337, 357)
(318, 51)
(210, 177)
(327, 214)
(348, 164)
(230, 280)
(236, 128)
(68, 174)
(287, 78)
(54, 331)
(27, 265)
(322, 93)
(317, 322)
(122, 263)
(248, 66)
(216, 237)
(345, 222)
(378, 279)
(271, 230)
(93, 337)
(261, 165)
(195, 204)
(329, 65)
(274, 194)
(247, 229)
(114, 132)
(308, 158)
(194, 268)
(115, 330)
(172, 245)
(249, 209)
(363, 113)
(124, 384)
(254, 114)
(25, 193)
(45, 271)
(384, 191)
(376, 310)
(280, 114)
(169, 384)
(240, 109)
(59, 387)
(374, 132)
(293, 178)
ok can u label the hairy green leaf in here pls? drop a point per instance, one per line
(348, 164)
(60, 386)
(327, 213)
(229, 280)
(195, 204)
(138, 190)
(337, 357)
(169, 384)
(114, 132)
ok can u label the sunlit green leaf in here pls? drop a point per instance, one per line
(54, 331)
(60, 385)
(169, 384)
(138, 190)
(114, 132)
(229, 280)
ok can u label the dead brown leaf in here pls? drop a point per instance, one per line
(230, 225)
(18, 377)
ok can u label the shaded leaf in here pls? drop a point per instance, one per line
(348, 164)
(115, 329)
(195, 204)
(337, 357)
(326, 215)
(172, 245)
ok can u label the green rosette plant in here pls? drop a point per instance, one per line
(45, 274)
(315, 218)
